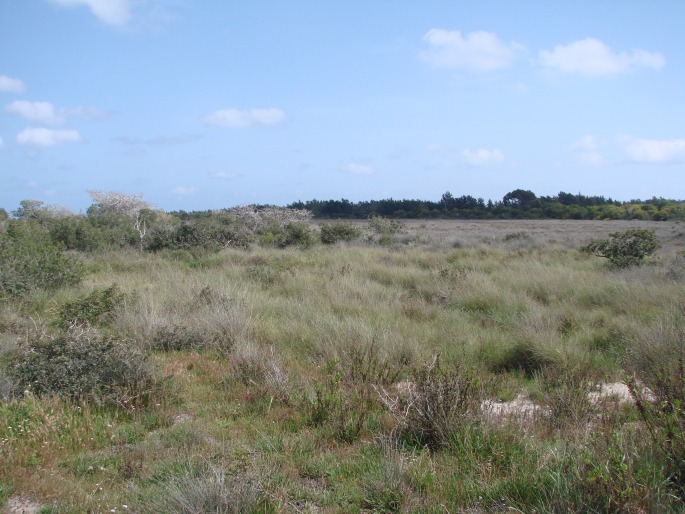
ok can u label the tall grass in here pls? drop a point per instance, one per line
(272, 362)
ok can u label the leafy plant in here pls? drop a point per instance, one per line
(332, 233)
(83, 365)
(623, 249)
(96, 308)
(29, 261)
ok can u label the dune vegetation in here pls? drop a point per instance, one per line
(438, 366)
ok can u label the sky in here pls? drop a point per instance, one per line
(215, 103)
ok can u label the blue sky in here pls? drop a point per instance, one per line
(215, 103)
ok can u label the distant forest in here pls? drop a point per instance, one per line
(518, 204)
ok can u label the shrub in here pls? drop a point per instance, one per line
(436, 404)
(29, 261)
(624, 249)
(331, 233)
(385, 226)
(97, 308)
(82, 365)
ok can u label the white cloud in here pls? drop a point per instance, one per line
(10, 85)
(47, 137)
(586, 150)
(184, 191)
(655, 151)
(233, 118)
(224, 175)
(482, 156)
(112, 12)
(592, 57)
(48, 114)
(40, 112)
(2, 143)
(478, 51)
(88, 113)
(358, 169)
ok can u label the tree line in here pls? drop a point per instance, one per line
(518, 204)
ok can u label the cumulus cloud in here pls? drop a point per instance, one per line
(10, 85)
(478, 51)
(655, 151)
(482, 156)
(40, 112)
(234, 118)
(358, 169)
(111, 12)
(592, 57)
(47, 137)
(586, 150)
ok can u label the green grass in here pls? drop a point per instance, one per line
(272, 366)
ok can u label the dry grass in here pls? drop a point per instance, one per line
(269, 360)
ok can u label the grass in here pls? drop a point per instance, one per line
(276, 372)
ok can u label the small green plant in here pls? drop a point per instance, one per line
(623, 249)
(332, 233)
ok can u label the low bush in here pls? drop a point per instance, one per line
(332, 233)
(80, 364)
(436, 404)
(623, 249)
(96, 308)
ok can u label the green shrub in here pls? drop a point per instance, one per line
(332, 233)
(96, 308)
(29, 260)
(624, 249)
(80, 364)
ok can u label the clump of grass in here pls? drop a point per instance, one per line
(255, 365)
(657, 360)
(204, 487)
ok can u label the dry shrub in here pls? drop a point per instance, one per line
(437, 403)
(256, 365)
(82, 364)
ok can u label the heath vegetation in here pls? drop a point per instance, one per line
(256, 360)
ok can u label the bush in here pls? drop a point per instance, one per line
(29, 261)
(436, 404)
(82, 365)
(331, 233)
(625, 249)
(97, 308)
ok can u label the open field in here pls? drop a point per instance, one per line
(461, 367)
